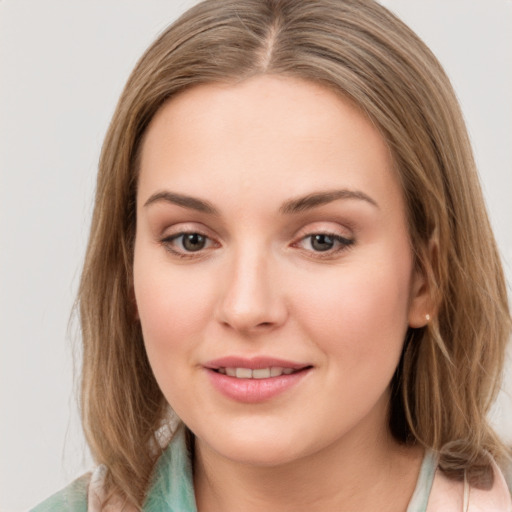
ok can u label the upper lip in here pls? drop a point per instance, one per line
(254, 363)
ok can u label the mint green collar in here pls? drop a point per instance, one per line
(173, 489)
(421, 493)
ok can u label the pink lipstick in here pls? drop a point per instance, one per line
(256, 379)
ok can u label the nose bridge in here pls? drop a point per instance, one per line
(251, 298)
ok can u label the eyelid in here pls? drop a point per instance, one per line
(173, 230)
(332, 228)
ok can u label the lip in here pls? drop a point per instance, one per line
(254, 363)
(254, 390)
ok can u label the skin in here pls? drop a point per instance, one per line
(259, 286)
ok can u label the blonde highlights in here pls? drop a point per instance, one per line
(450, 370)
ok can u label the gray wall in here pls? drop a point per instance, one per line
(62, 66)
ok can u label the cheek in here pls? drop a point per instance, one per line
(173, 312)
(360, 312)
(172, 308)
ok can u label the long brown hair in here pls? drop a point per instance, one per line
(450, 370)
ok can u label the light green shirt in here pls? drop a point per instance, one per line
(173, 491)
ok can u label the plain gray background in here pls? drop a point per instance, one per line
(62, 67)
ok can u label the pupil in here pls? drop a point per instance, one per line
(193, 241)
(322, 242)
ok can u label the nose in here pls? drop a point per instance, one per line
(251, 300)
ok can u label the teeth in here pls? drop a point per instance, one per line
(243, 373)
(260, 373)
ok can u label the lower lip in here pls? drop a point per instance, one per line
(254, 390)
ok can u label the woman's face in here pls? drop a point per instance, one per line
(273, 273)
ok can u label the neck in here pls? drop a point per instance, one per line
(359, 472)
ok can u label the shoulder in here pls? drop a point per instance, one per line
(85, 494)
(172, 486)
(447, 494)
(72, 498)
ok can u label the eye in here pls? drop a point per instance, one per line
(182, 244)
(325, 242)
(192, 242)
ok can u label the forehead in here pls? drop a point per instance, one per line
(268, 134)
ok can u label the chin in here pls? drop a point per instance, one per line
(255, 449)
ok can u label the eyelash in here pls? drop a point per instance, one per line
(343, 242)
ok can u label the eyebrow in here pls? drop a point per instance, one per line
(296, 205)
(315, 199)
(192, 203)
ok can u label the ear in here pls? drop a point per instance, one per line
(421, 303)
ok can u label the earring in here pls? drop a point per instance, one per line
(427, 317)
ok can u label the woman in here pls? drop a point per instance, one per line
(290, 267)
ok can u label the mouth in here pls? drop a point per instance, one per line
(257, 373)
(261, 367)
(255, 380)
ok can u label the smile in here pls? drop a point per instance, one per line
(255, 380)
(259, 373)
